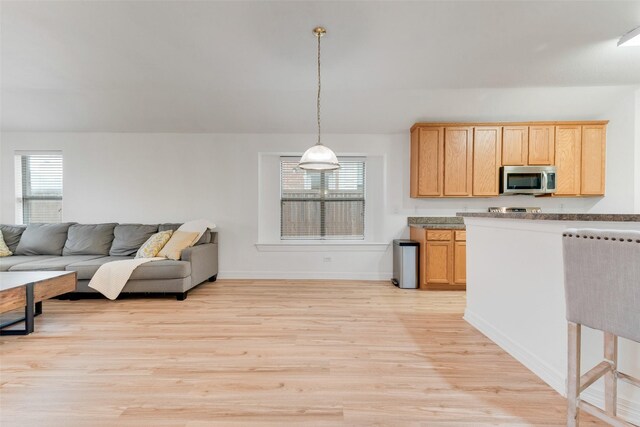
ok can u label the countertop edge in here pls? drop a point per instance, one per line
(439, 226)
(554, 216)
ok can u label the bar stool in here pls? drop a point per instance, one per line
(602, 291)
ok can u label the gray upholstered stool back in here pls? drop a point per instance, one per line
(602, 280)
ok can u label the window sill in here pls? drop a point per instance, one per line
(308, 246)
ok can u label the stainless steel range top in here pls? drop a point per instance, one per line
(510, 210)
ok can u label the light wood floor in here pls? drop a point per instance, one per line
(241, 353)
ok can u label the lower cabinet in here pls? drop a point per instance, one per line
(443, 258)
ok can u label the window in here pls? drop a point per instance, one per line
(322, 205)
(38, 187)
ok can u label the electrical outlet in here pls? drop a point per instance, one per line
(326, 259)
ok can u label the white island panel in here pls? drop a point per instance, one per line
(515, 296)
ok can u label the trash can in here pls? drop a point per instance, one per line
(405, 263)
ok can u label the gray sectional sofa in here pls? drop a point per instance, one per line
(83, 248)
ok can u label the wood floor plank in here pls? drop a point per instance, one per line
(268, 353)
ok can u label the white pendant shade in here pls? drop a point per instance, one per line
(319, 157)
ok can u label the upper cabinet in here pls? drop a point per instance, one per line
(427, 157)
(568, 159)
(464, 159)
(580, 159)
(487, 149)
(515, 145)
(541, 145)
(458, 160)
(593, 160)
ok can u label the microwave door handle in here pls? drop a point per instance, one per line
(544, 182)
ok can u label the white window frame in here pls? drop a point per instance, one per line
(19, 182)
(268, 225)
(323, 199)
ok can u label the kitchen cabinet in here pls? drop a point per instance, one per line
(464, 159)
(487, 153)
(442, 258)
(541, 145)
(568, 159)
(592, 164)
(580, 160)
(427, 157)
(458, 161)
(460, 258)
(515, 145)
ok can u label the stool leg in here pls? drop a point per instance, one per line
(573, 374)
(610, 380)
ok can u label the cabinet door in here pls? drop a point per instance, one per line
(439, 262)
(593, 160)
(487, 148)
(541, 145)
(460, 262)
(568, 162)
(457, 161)
(515, 145)
(427, 146)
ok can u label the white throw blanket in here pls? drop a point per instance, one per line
(112, 276)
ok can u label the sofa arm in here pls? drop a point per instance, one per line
(204, 261)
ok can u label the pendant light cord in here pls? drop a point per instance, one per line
(319, 87)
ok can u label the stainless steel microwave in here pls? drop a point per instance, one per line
(536, 180)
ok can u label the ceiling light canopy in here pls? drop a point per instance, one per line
(632, 38)
(319, 157)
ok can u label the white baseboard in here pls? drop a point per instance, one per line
(303, 275)
(546, 372)
(556, 380)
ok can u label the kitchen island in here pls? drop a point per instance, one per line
(515, 296)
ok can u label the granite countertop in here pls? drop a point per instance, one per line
(554, 216)
(437, 222)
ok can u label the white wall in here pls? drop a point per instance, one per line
(174, 177)
(146, 177)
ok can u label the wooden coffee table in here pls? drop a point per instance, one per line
(27, 289)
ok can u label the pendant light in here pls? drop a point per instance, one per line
(319, 157)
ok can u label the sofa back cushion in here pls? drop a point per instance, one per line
(129, 237)
(43, 239)
(11, 235)
(206, 237)
(89, 239)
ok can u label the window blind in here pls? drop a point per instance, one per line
(322, 205)
(41, 191)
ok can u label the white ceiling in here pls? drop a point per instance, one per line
(249, 66)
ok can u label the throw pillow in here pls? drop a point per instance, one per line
(151, 247)
(4, 249)
(198, 225)
(179, 241)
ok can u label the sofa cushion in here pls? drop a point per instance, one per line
(165, 269)
(129, 237)
(154, 270)
(43, 239)
(89, 239)
(86, 269)
(57, 263)
(7, 262)
(206, 237)
(11, 235)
